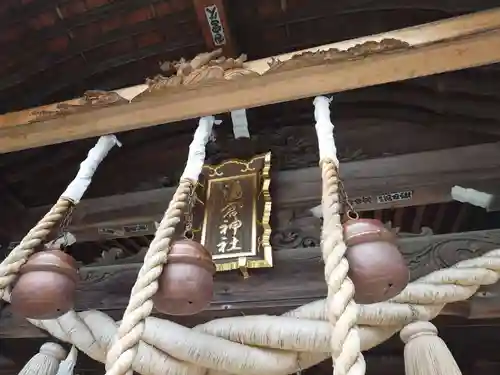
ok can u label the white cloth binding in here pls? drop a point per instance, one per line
(196, 156)
(240, 124)
(472, 196)
(79, 185)
(324, 129)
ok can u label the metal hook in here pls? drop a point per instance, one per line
(352, 215)
(351, 212)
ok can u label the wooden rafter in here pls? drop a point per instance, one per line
(438, 47)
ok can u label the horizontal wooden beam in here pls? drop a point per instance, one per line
(453, 44)
(108, 287)
(428, 176)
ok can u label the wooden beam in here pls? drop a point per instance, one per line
(438, 47)
(108, 287)
(429, 176)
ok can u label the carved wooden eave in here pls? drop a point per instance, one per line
(448, 45)
(108, 287)
(434, 173)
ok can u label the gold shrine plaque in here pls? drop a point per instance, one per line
(234, 217)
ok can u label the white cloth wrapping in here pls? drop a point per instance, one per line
(324, 129)
(196, 156)
(240, 124)
(79, 185)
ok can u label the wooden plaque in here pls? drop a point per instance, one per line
(234, 212)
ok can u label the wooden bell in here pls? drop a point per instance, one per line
(46, 286)
(376, 267)
(186, 284)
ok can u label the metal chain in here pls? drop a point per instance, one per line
(350, 211)
(188, 215)
(66, 221)
(62, 231)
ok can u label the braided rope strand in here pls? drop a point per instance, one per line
(121, 355)
(255, 340)
(11, 265)
(342, 310)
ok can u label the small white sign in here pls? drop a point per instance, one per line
(110, 232)
(240, 124)
(356, 201)
(215, 24)
(395, 197)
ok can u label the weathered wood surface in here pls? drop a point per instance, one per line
(448, 45)
(428, 175)
(107, 288)
(362, 131)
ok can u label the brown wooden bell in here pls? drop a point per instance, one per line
(376, 267)
(46, 286)
(186, 283)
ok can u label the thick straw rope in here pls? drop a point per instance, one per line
(35, 237)
(342, 310)
(345, 342)
(11, 265)
(123, 351)
(254, 345)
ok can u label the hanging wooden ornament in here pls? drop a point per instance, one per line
(376, 266)
(186, 284)
(46, 286)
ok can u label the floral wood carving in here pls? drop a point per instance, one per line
(427, 253)
(293, 238)
(90, 99)
(335, 54)
(292, 147)
(295, 227)
(447, 252)
(205, 67)
(298, 227)
(212, 66)
(423, 254)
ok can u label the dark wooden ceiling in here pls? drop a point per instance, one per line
(57, 49)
